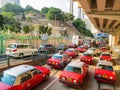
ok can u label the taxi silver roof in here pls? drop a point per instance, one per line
(70, 49)
(87, 53)
(104, 62)
(76, 63)
(105, 53)
(19, 70)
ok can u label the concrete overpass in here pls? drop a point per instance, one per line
(105, 16)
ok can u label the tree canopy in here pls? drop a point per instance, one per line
(30, 9)
(54, 13)
(44, 10)
(68, 17)
(80, 25)
(12, 8)
(44, 29)
(1, 21)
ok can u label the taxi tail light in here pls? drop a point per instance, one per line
(14, 50)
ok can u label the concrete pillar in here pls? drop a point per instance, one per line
(116, 37)
(110, 40)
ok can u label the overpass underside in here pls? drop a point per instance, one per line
(105, 16)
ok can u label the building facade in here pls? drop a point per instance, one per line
(4, 2)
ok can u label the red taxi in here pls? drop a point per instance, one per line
(59, 60)
(72, 52)
(104, 72)
(23, 77)
(87, 58)
(106, 56)
(103, 49)
(74, 74)
(81, 49)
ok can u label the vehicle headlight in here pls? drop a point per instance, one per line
(99, 75)
(75, 81)
(63, 78)
(56, 63)
(111, 77)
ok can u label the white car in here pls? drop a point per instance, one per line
(21, 50)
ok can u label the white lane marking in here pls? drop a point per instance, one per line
(58, 74)
(49, 84)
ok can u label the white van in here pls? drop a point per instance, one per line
(21, 50)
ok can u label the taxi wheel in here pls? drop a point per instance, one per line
(35, 53)
(46, 77)
(21, 55)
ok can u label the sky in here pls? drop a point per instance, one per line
(38, 4)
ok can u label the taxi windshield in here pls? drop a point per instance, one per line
(69, 50)
(12, 46)
(105, 54)
(7, 79)
(73, 69)
(87, 55)
(57, 57)
(105, 67)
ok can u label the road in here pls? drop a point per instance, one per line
(89, 84)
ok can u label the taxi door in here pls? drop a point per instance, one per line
(38, 76)
(27, 82)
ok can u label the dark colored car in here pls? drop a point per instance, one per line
(62, 47)
(73, 46)
(46, 48)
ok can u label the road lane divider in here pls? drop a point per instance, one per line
(50, 84)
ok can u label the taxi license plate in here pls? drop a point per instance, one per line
(53, 63)
(69, 79)
(104, 76)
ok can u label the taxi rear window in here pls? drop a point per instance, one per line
(105, 54)
(57, 57)
(88, 55)
(105, 67)
(73, 69)
(69, 50)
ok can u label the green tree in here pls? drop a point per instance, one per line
(30, 9)
(44, 29)
(44, 10)
(68, 17)
(80, 25)
(16, 27)
(1, 21)
(12, 8)
(28, 29)
(8, 14)
(54, 13)
(23, 17)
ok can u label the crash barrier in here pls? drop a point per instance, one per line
(8, 61)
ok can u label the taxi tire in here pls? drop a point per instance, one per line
(46, 77)
(21, 55)
(35, 53)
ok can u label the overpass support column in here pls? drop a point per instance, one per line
(114, 38)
